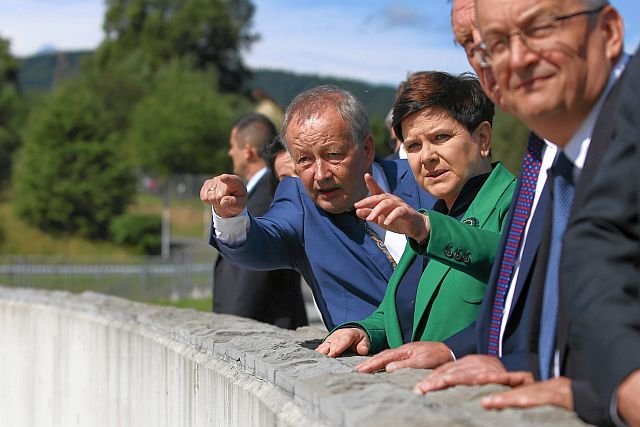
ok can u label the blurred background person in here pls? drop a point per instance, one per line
(394, 143)
(268, 296)
(278, 160)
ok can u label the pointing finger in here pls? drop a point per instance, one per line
(372, 185)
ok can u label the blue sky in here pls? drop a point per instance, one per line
(379, 41)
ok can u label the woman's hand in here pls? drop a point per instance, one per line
(392, 213)
(342, 339)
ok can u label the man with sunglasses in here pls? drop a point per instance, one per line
(554, 64)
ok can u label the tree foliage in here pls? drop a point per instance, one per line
(71, 174)
(183, 124)
(509, 140)
(211, 32)
(11, 110)
(380, 136)
(141, 232)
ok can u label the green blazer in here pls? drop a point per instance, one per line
(452, 286)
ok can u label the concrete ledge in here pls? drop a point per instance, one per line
(91, 359)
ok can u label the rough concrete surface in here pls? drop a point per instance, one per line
(91, 359)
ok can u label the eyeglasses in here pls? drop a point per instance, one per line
(473, 50)
(495, 49)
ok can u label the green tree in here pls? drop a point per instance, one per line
(11, 109)
(509, 140)
(183, 125)
(380, 136)
(71, 174)
(211, 32)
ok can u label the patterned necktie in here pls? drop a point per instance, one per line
(563, 192)
(528, 180)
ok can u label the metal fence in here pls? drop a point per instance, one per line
(142, 279)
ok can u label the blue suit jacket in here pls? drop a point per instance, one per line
(517, 341)
(346, 271)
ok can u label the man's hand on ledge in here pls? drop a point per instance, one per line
(556, 392)
(470, 370)
(342, 339)
(226, 193)
(629, 399)
(419, 354)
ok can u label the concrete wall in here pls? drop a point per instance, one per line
(94, 360)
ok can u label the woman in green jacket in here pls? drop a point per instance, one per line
(444, 122)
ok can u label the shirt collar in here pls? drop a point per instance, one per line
(468, 193)
(255, 178)
(578, 146)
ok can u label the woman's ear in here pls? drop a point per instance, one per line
(483, 136)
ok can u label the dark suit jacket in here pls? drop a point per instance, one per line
(520, 341)
(600, 272)
(268, 296)
(516, 344)
(585, 402)
(345, 269)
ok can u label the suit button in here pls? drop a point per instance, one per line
(467, 258)
(458, 255)
(448, 252)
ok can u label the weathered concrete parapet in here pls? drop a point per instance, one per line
(95, 360)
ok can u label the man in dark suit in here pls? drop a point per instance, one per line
(312, 226)
(268, 296)
(601, 266)
(582, 42)
(535, 72)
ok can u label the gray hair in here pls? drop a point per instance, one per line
(315, 101)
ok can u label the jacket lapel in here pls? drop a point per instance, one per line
(436, 272)
(394, 334)
(531, 244)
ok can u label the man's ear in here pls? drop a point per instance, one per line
(483, 136)
(249, 152)
(613, 28)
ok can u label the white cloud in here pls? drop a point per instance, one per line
(327, 40)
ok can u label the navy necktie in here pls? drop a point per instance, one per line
(563, 192)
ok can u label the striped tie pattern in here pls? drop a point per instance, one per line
(528, 177)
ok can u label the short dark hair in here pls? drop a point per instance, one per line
(256, 130)
(313, 102)
(270, 152)
(460, 96)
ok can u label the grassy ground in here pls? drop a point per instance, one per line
(22, 239)
(201, 304)
(18, 239)
(188, 217)
(188, 220)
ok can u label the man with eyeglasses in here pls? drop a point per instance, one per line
(554, 64)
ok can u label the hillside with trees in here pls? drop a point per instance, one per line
(79, 130)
